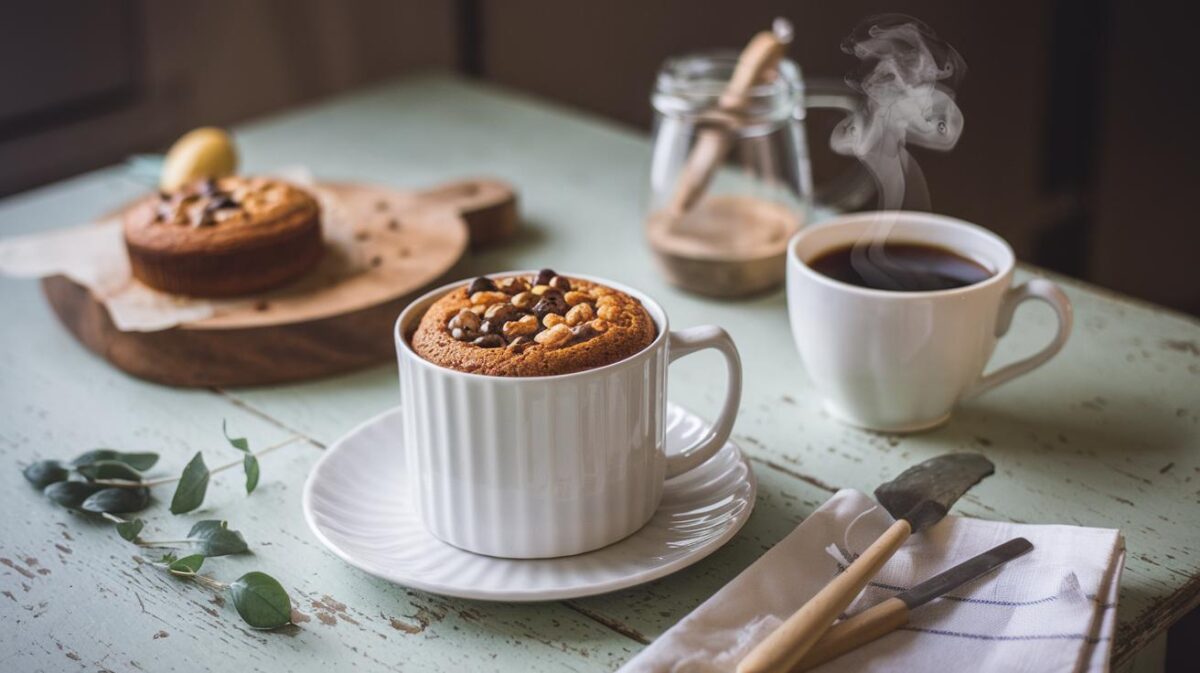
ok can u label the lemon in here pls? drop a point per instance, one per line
(205, 152)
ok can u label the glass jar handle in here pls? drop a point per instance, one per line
(854, 187)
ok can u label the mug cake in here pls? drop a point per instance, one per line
(536, 325)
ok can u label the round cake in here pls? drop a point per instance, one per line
(532, 326)
(225, 237)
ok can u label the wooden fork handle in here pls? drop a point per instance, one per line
(788, 644)
(854, 632)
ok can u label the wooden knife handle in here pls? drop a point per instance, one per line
(784, 648)
(854, 632)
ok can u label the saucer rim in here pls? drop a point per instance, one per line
(531, 596)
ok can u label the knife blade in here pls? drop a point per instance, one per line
(973, 568)
(880, 620)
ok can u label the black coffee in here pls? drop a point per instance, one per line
(900, 267)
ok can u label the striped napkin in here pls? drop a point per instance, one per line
(1053, 609)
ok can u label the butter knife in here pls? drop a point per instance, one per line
(880, 620)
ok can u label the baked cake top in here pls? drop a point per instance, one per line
(211, 215)
(539, 325)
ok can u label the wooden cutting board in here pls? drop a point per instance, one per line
(325, 323)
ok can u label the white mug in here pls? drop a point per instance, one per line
(900, 361)
(545, 466)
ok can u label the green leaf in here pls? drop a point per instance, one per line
(212, 537)
(70, 494)
(45, 472)
(250, 464)
(117, 500)
(188, 565)
(261, 601)
(168, 558)
(189, 494)
(138, 461)
(129, 530)
(108, 469)
(238, 443)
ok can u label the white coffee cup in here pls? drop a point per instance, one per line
(900, 361)
(537, 467)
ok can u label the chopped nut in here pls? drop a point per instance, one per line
(599, 325)
(513, 285)
(488, 297)
(524, 327)
(560, 283)
(575, 297)
(501, 313)
(465, 319)
(478, 309)
(524, 300)
(580, 313)
(540, 289)
(606, 300)
(552, 319)
(609, 312)
(554, 337)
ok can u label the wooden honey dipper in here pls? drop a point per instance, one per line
(758, 63)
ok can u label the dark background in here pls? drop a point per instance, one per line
(1080, 144)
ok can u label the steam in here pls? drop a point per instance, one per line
(906, 75)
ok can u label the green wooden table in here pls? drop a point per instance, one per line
(1107, 434)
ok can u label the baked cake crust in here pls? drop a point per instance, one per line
(226, 237)
(617, 327)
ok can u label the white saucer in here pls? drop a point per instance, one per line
(356, 503)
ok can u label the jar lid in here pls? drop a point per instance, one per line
(691, 85)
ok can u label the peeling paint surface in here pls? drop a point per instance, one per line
(1106, 434)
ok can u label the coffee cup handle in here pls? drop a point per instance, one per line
(690, 340)
(1043, 290)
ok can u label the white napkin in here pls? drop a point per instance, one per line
(1053, 609)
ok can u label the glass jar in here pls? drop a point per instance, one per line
(728, 238)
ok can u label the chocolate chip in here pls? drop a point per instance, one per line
(519, 344)
(221, 202)
(560, 283)
(208, 187)
(584, 331)
(551, 302)
(481, 284)
(544, 277)
(488, 327)
(163, 196)
(489, 341)
(460, 334)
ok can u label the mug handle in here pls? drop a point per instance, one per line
(854, 187)
(1043, 290)
(684, 342)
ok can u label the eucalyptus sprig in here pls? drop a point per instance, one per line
(260, 600)
(112, 481)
